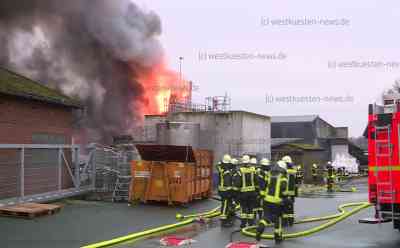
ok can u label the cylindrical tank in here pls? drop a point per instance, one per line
(178, 134)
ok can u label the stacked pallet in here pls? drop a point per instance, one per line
(29, 210)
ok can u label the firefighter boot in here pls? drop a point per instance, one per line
(291, 221)
(285, 220)
(278, 238)
(243, 224)
(260, 229)
(258, 235)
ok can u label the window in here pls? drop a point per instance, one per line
(44, 138)
(389, 102)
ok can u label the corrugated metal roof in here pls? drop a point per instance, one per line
(294, 118)
(280, 141)
(301, 146)
(14, 84)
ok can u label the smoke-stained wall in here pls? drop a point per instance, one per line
(93, 50)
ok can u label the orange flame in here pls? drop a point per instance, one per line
(162, 87)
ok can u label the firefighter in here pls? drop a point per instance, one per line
(257, 210)
(343, 174)
(339, 174)
(225, 189)
(235, 190)
(274, 201)
(291, 191)
(245, 181)
(314, 173)
(300, 175)
(262, 174)
(330, 177)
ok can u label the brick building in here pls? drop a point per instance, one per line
(31, 113)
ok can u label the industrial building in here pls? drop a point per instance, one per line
(310, 139)
(233, 132)
(31, 113)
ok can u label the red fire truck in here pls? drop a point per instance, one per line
(384, 158)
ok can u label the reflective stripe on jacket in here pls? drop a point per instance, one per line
(276, 187)
(248, 179)
(291, 184)
(225, 174)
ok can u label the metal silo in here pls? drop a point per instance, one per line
(178, 133)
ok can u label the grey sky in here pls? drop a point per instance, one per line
(190, 27)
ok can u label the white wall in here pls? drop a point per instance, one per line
(234, 132)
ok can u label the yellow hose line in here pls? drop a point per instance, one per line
(178, 216)
(188, 219)
(334, 219)
(135, 236)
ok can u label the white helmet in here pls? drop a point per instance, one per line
(287, 159)
(265, 162)
(282, 164)
(329, 162)
(234, 161)
(253, 161)
(227, 159)
(246, 159)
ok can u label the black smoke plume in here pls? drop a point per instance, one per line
(90, 49)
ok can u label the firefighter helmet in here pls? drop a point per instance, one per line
(265, 162)
(246, 159)
(315, 166)
(234, 161)
(226, 159)
(253, 161)
(282, 164)
(287, 159)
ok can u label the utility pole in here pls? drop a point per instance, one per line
(180, 70)
(181, 86)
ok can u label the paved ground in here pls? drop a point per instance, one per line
(82, 223)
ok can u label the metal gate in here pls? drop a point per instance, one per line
(40, 173)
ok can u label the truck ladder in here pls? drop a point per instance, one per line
(384, 144)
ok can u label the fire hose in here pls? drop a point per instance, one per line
(249, 231)
(333, 219)
(186, 220)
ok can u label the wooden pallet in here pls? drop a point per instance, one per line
(29, 210)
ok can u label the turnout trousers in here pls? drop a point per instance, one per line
(288, 215)
(247, 202)
(227, 207)
(272, 214)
